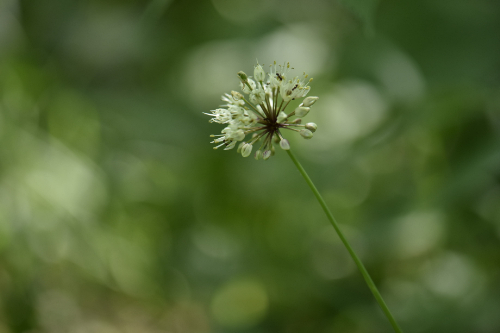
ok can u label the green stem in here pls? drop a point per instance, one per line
(358, 262)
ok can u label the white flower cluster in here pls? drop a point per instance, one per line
(263, 114)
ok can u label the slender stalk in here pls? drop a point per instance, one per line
(358, 262)
(256, 111)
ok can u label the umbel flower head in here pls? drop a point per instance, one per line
(261, 114)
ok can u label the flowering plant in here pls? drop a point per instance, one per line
(262, 113)
(264, 117)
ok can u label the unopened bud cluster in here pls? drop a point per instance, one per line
(261, 113)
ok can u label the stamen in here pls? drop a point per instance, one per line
(222, 144)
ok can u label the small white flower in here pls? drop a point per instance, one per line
(247, 86)
(259, 74)
(246, 150)
(231, 145)
(276, 78)
(221, 116)
(231, 101)
(263, 114)
(257, 95)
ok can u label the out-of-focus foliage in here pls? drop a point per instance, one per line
(117, 216)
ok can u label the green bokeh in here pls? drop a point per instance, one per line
(116, 215)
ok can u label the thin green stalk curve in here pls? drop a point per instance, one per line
(358, 262)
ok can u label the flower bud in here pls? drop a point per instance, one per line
(312, 127)
(238, 150)
(308, 101)
(246, 150)
(282, 117)
(259, 73)
(242, 76)
(273, 151)
(258, 154)
(297, 121)
(284, 144)
(266, 155)
(306, 134)
(301, 111)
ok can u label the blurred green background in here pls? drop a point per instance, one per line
(116, 215)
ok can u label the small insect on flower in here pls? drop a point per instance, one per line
(263, 113)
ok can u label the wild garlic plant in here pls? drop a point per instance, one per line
(262, 114)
